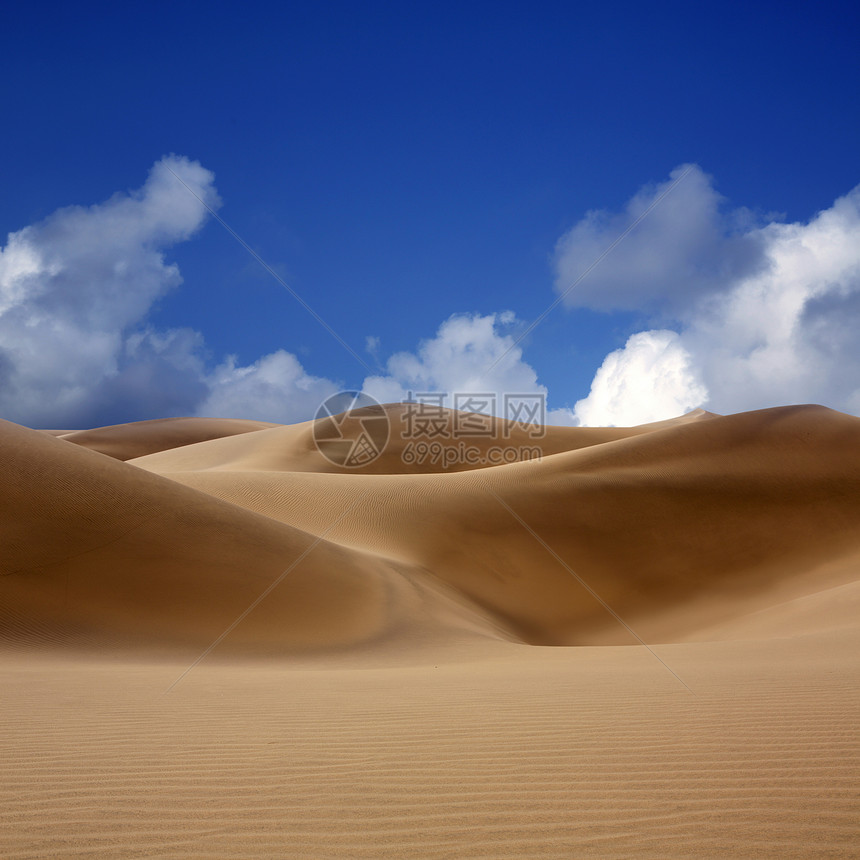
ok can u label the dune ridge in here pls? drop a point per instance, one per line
(678, 526)
(126, 441)
(715, 513)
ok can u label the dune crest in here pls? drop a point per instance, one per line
(126, 441)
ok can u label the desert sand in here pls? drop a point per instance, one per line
(645, 642)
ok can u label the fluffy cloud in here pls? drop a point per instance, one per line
(76, 349)
(73, 286)
(75, 292)
(777, 332)
(749, 315)
(652, 378)
(275, 388)
(788, 334)
(458, 358)
(685, 247)
(470, 353)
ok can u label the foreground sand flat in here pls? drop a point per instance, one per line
(508, 752)
(431, 678)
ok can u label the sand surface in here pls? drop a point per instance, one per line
(214, 641)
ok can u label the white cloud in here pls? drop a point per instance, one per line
(470, 354)
(274, 388)
(749, 316)
(372, 344)
(684, 248)
(73, 285)
(650, 379)
(459, 358)
(781, 331)
(789, 333)
(75, 292)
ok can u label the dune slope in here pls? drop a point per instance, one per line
(677, 526)
(125, 441)
(100, 554)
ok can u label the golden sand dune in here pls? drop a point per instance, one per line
(676, 526)
(238, 644)
(99, 554)
(293, 448)
(124, 441)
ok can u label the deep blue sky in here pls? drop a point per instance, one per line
(400, 162)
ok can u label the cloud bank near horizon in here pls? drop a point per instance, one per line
(76, 348)
(751, 315)
(470, 353)
(742, 315)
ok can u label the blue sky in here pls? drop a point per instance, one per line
(398, 164)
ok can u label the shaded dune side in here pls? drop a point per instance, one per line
(126, 441)
(292, 448)
(99, 554)
(680, 528)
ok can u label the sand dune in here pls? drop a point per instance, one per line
(293, 449)
(101, 554)
(125, 441)
(372, 679)
(675, 526)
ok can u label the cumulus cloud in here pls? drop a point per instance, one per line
(736, 315)
(685, 247)
(788, 333)
(76, 349)
(75, 293)
(650, 379)
(458, 358)
(780, 331)
(275, 388)
(74, 285)
(470, 354)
